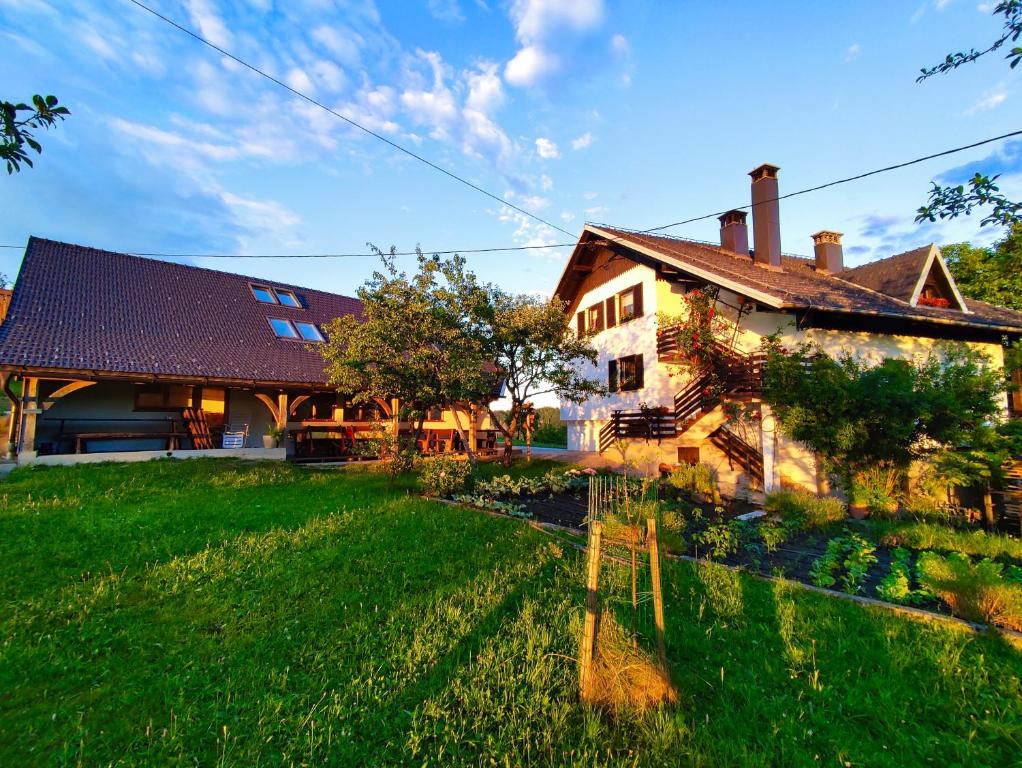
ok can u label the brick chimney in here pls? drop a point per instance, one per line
(829, 254)
(734, 233)
(766, 217)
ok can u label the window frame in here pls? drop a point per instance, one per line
(296, 337)
(254, 287)
(616, 370)
(292, 296)
(297, 325)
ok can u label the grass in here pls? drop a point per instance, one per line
(941, 538)
(256, 614)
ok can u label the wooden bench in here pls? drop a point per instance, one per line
(81, 439)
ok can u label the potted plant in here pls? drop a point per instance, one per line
(273, 436)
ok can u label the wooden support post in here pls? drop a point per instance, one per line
(473, 418)
(281, 413)
(585, 662)
(658, 595)
(30, 410)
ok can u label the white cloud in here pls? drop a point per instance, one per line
(166, 147)
(853, 51)
(539, 19)
(620, 45)
(342, 43)
(329, 75)
(546, 183)
(591, 195)
(583, 141)
(567, 216)
(540, 26)
(530, 65)
(446, 10)
(547, 149)
(989, 100)
(97, 43)
(300, 81)
(210, 25)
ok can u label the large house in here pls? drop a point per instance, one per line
(109, 356)
(617, 282)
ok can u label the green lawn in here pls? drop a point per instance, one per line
(212, 613)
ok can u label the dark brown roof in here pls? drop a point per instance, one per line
(895, 276)
(81, 308)
(796, 286)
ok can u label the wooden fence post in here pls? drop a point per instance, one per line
(592, 607)
(658, 595)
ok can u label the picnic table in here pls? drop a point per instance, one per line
(81, 439)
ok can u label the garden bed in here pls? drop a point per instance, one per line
(816, 546)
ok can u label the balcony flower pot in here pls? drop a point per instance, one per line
(269, 441)
(858, 511)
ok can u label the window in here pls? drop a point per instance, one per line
(688, 455)
(263, 294)
(625, 374)
(288, 299)
(283, 328)
(268, 295)
(435, 414)
(162, 397)
(630, 303)
(308, 331)
(594, 318)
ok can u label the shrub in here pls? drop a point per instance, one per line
(877, 488)
(940, 537)
(720, 539)
(694, 478)
(443, 476)
(896, 586)
(809, 509)
(977, 592)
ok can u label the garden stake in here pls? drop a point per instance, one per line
(589, 632)
(658, 597)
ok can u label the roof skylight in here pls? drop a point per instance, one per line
(283, 328)
(309, 331)
(288, 299)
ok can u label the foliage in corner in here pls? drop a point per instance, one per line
(443, 477)
(980, 191)
(992, 274)
(43, 113)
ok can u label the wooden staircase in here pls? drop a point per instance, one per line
(739, 452)
(743, 377)
(643, 425)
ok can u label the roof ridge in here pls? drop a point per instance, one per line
(135, 257)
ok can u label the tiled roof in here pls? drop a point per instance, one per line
(798, 285)
(85, 309)
(895, 276)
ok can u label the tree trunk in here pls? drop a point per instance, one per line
(464, 436)
(988, 509)
(512, 428)
(507, 435)
(528, 440)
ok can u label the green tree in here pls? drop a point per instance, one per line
(949, 202)
(858, 415)
(17, 129)
(991, 274)
(418, 340)
(533, 345)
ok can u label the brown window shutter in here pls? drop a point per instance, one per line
(638, 300)
(612, 375)
(611, 311)
(599, 316)
(639, 380)
(581, 318)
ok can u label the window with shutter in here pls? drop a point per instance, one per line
(630, 374)
(611, 305)
(612, 375)
(594, 318)
(630, 301)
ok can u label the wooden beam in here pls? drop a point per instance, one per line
(281, 410)
(293, 409)
(270, 405)
(65, 390)
(30, 410)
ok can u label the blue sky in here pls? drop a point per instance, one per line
(636, 114)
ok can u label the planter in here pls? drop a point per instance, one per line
(269, 442)
(858, 511)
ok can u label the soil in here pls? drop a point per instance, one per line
(793, 560)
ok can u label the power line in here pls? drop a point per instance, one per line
(845, 180)
(347, 119)
(805, 191)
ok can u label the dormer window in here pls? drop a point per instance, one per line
(263, 294)
(308, 331)
(268, 295)
(283, 328)
(288, 299)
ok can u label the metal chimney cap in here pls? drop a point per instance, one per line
(735, 216)
(826, 236)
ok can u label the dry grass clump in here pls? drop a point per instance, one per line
(973, 591)
(624, 678)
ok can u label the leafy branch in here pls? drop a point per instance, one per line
(16, 133)
(979, 192)
(1012, 30)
